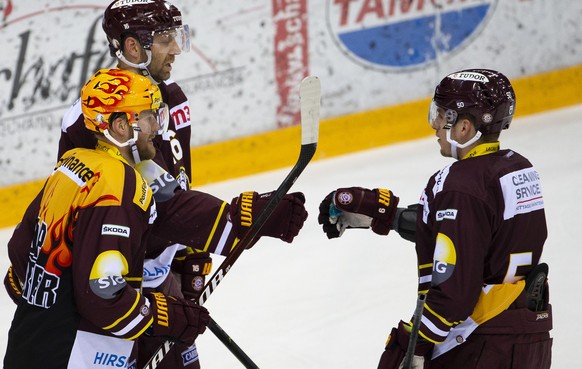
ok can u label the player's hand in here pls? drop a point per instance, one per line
(193, 269)
(177, 318)
(396, 350)
(285, 222)
(12, 285)
(357, 207)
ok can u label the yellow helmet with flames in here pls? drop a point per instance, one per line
(117, 91)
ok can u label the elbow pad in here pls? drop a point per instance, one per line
(405, 222)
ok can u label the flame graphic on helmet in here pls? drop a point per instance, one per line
(115, 90)
(102, 95)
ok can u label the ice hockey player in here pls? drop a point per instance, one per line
(146, 37)
(81, 305)
(479, 230)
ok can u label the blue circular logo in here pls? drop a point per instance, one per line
(405, 34)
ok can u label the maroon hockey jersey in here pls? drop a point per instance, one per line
(481, 228)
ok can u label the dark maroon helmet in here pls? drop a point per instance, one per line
(138, 18)
(486, 95)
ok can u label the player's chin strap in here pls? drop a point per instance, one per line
(141, 66)
(455, 145)
(131, 143)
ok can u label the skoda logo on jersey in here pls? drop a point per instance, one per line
(405, 34)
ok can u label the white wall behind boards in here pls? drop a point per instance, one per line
(247, 57)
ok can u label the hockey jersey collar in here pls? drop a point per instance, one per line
(111, 150)
(483, 149)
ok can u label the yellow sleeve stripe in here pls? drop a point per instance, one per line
(424, 266)
(137, 298)
(133, 279)
(234, 243)
(427, 338)
(216, 222)
(143, 330)
(443, 320)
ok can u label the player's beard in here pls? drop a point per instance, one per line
(146, 148)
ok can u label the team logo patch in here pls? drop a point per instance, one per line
(405, 34)
(115, 230)
(450, 214)
(445, 258)
(198, 283)
(345, 198)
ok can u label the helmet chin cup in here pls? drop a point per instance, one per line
(129, 142)
(456, 145)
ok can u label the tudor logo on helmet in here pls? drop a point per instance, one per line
(119, 3)
(478, 77)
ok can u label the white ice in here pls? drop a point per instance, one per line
(318, 303)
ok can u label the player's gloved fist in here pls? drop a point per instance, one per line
(357, 207)
(177, 318)
(285, 222)
(396, 350)
(193, 269)
(12, 285)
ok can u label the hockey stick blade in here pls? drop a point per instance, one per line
(310, 100)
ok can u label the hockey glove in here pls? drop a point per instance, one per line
(397, 345)
(357, 207)
(193, 269)
(285, 222)
(177, 318)
(12, 285)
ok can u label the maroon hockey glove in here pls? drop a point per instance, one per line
(357, 207)
(284, 223)
(193, 269)
(12, 285)
(396, 350)
(177, 318)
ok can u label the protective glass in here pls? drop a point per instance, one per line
(161, 116)
(179, 35)
(437, 115)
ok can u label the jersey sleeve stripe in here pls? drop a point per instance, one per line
(443, 320)
(137, 299)
(150, 322)
(223, 238)
(134, 323)
(216, 222)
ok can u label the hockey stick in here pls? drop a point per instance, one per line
(310, 95)
(407, 362)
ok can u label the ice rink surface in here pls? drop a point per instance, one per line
(327, 304)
